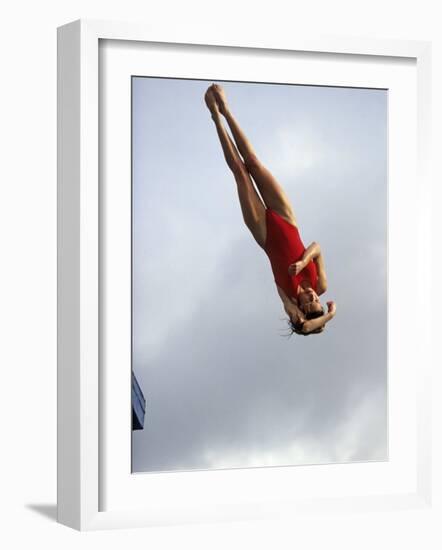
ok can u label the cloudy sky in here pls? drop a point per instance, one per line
(224, 387)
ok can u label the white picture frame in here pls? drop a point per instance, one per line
(80, 270)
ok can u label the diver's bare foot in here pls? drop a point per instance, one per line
(221, 98)
(211, 102)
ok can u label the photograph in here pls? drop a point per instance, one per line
(259, 274)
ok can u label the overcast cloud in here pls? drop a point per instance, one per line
(224, 389)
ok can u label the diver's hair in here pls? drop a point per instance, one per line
(314, 314)
(297, 327)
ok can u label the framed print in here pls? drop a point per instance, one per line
(207, 332)
(234, 224)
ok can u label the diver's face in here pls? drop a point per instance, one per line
(309, 301)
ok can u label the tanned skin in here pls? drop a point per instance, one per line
(258, 190)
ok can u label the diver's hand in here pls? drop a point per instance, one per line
(296, 268)
(331, 306)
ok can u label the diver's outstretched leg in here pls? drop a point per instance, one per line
(271, 191)
(252, 207)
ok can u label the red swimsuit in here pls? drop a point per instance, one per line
(284, 247)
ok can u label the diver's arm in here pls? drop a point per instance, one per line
(290, 305)
(321, 285)
(314, 324)
(312, 252)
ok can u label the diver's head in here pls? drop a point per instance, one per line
(309, 303)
